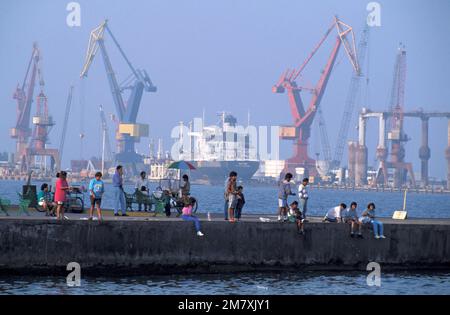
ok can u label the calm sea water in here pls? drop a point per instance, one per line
(253, 283)
(264, 200)
(259, 200)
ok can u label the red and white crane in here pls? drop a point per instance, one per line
(24, 97)
(300, 132)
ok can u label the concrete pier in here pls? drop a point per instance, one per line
(146, 245)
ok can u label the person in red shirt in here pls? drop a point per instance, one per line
(60, 194)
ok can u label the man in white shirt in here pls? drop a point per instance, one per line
(142, 187)
(334, 214)
(303, 196)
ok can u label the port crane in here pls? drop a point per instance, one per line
(351, 99)
(300, 132)
(396, 135)
(24, 98)
(106, 143)
(66, 121)
(129, 131)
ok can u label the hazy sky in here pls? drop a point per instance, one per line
(223, 55)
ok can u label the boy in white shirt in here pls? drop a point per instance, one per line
(334, 214)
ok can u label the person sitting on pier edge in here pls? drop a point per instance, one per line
(284, 190)
(368, 217)
(225, 194)
(96, 190)
(335, 214)
(295, 215)
(45, 200)
(142, 187)
(303, 195)
(351, 217)
(119, 195)
(187, 215)
(240, 202)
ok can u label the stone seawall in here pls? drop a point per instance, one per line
(167, 246)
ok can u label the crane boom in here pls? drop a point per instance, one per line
(350, 103)
(66, 120)
(303, 118)
(126, 111)
(108, 150)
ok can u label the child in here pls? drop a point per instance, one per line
(303, 196)
(368, 216)
(96, 189)
(240, 202)
(351, 217)
(297, 215)
(187, 215)
(334, 214)
(45, 200)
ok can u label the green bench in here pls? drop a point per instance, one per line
(4, 203)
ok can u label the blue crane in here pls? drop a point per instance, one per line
(137, 83)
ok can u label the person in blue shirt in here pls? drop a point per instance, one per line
(96, 190)
(119, 194)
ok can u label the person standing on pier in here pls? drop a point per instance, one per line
(240, 202)
(232, 198)
(119, 194)
(61, 189)
(225, 194)
(96, 189)
(368, 216)
(284, 191)
(303, 195)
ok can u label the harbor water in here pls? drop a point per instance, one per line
(287, 283)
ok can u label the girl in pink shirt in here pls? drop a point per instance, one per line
(187, 215)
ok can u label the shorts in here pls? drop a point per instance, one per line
(282, 203)
(96, 201)
(331, 219)
(60, 203)
(350, 220)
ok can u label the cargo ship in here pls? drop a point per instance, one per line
(216, 150)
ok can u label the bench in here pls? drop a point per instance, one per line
(137, 198)
(4, 203)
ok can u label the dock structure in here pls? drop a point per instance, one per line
(155, 245)
(358, 163)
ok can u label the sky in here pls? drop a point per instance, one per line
(216, 55)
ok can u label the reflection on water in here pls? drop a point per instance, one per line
(244, 283)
